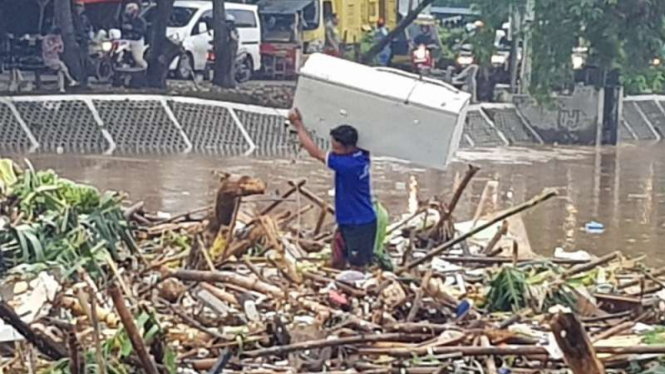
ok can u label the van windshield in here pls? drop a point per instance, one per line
(243, 18)
(279, 27)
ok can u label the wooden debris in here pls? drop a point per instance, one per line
(573, 341)
(133, 333)
(251, 291)
(43, 343)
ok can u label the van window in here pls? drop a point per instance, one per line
(181, 16)
(310, 16)
(206, 19)
(244, 18)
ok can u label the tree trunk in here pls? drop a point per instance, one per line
(222, 76)
(515, 36)
(403, 24)
(161, 51)
(71, 55)
(42, 8)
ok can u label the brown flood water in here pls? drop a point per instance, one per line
(622, 187)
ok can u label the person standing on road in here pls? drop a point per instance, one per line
(52, 47)
(332, 42)
(134, 29)
(83, 31)
(380, 33)
(233, 44)
(354, 211)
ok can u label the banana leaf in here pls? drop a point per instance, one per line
(7, 175)
(508, 291)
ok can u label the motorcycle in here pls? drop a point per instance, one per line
(421, 59)
(100, 63)
(121, 60)
(243, 68)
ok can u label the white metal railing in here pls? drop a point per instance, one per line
(53, 104)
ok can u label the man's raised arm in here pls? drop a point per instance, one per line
(305, 140)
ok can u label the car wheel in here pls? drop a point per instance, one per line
(185, 68)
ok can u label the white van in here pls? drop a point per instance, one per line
(192, 22)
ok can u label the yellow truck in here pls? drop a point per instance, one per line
(358, 16)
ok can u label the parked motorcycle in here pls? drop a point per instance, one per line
(100, 63)
(242, 69)
(121, 59)
(421, 59)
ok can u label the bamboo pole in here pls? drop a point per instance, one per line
(315, 199)
(265, 288)
(43, 343)
(489, 248)
(655, 273)
(505, 260)
(227, 277)
(489, 361)
(99, 355)
(328, 342)
(506, 350)
(133, 333)
(294, 187)
(546, 195)
(591, 265)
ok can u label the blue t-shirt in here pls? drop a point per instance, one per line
(353, 199)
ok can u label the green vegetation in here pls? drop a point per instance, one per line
(58, 222)
(622, 37)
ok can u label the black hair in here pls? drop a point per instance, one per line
(346, 135)
(56, 30)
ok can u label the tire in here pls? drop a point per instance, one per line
(245, 74)
(104, 70)
(185, 67)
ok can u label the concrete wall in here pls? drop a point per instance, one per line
(570, 119)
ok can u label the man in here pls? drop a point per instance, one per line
(233, 40)
(355, 214)
(332, 43)
(425, 37)
(134, 29)
(83, 31)
(52, 46)
(380, 33)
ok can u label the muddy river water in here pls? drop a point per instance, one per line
(621, 187)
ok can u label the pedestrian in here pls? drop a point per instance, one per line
(134, 29)
(332, 41)
(380, 33)
(233, 41)
(354, 211)
(84, 32)
(52, 47)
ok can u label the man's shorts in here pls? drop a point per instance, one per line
(359, 243)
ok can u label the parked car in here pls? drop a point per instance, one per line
(191, 24)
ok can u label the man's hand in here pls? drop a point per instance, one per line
(296, 118)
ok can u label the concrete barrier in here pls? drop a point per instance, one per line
(166, 124)
(573, 119)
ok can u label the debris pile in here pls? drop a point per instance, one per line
(92, 285)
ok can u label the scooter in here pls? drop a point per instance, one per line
(100, 63)
(122, 60)
(421, 60)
